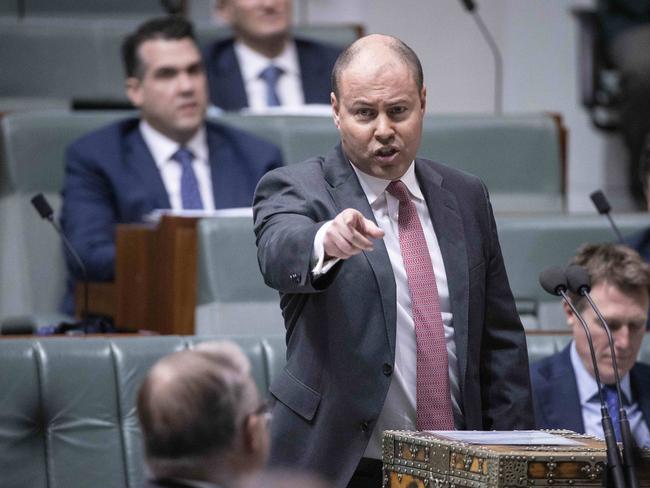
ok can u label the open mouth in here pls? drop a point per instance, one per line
(386, 152)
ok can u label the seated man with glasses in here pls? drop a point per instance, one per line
(203, 422)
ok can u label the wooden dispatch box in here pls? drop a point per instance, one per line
(431, 460)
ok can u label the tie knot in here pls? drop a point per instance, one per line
(270, 74)
(183, 156)
(399, 191)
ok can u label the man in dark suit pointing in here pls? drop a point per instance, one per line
(169, 157)
(396, 303)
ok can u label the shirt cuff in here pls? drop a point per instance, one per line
(319, 263)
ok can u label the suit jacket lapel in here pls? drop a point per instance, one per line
(562, 403)
(229, 91)
(221, 157)
(138, 159)
(641, 390)
(448, 225)
(347, 193)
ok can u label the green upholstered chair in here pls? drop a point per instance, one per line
(232, 293)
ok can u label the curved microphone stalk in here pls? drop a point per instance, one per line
(580, 284)
(554, 281)
(45, 211)
(470, 6)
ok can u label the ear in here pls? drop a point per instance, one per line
(335, 110)
(423, 99)
(134, 90)
(252, 432)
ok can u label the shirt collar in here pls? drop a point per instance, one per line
(162, 148)
(587, 387)
(251, 63)
(375, 187)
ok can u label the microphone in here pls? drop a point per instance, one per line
(580, 283)
(44, 209)
(470, 6)
(554, 281)
(602, 205)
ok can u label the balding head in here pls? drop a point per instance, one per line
(192, 405)
(377, 50)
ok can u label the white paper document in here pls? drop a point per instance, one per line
(506, 437)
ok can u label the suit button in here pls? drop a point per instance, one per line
(295, 277)
(387, 369)
(364, 426)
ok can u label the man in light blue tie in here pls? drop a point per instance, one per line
(169, 157)
(263, 65)
(565, 393)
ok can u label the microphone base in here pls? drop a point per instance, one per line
(90, 325)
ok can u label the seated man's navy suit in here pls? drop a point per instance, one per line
(226, 84)
(555, 392)
(111, 178)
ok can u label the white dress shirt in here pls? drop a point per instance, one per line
(399, 410)
(162, 148)
(289, 87)
(590, 403)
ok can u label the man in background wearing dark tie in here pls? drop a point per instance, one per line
(565, 392)
(397, 307)
(169, 157)
(264, 65)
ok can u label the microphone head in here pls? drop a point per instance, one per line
(578, 279)
(42, 207)
(600, 202)
(553, 280)
(469, 5)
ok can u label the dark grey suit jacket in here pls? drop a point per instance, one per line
(341, 328)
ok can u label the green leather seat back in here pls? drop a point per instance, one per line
(32, 268)
(531, 243)
(78, 57)
(232, 292)
(68, 417)
(517, 156)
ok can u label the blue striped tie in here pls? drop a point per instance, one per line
(611, 399)
(270, 75)
(190, 194)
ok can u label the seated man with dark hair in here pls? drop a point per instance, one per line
(264, 65)
(169, 157)
(203, 423)
(565, 393)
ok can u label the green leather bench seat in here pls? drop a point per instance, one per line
(67, 415)
(517, 156)
(67, 408)
(79, 58)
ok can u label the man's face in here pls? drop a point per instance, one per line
(171, 92)
(257, 20)
(626, 314)
(379, 114)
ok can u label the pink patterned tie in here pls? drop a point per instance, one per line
(434, 410)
